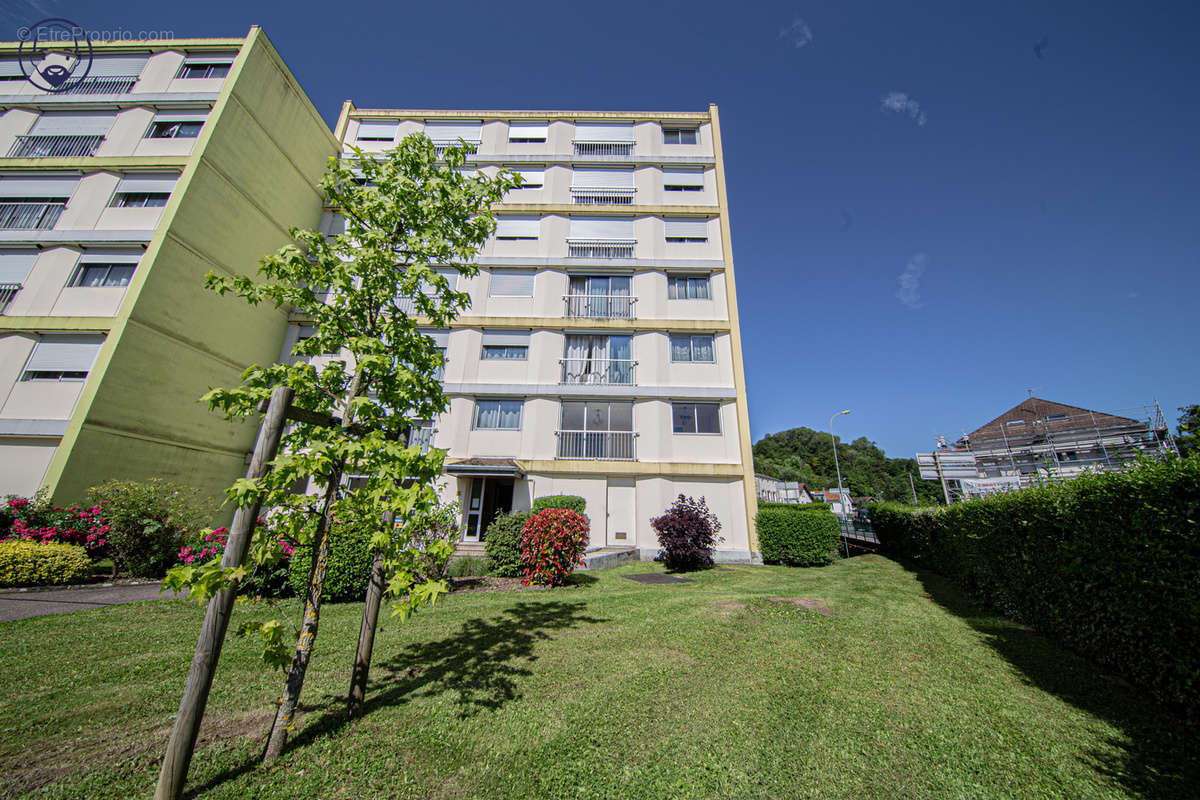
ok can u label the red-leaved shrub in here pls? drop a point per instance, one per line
(552, 545)
(687, 533)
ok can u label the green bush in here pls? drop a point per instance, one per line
(348, 570)
(502, 542)
(570, 502)
(797, 535)
(24, 563)
(468, 567)
(148, 522)
(1107, 563)
(814, 506)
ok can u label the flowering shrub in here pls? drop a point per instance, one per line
(35, 520)
(687, 533)
(32, 563)
(552, 545)
(268, 579)
(148, 522)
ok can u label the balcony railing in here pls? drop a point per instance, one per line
(421, 437)
(597, 371)
(30, 214)
(600, 306)
(103, 84)
(607, 445)
(68, 146)
(603, 148)
(7, 292)
(596, 196)
(597, 248)
(439, 146)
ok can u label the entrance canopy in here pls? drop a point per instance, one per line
(485, 468)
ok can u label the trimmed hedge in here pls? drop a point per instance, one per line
(502, 543)
(1107, 563)
(570, 502)
(348, 571)
(803, 535)
(24, 563)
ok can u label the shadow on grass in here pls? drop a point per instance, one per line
(1154, 755)
(481, 664)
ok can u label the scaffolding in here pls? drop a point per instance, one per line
(1040, 441)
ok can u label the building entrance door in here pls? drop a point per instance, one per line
(620, 512)
(486, 498)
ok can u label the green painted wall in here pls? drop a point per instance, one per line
(254, 173)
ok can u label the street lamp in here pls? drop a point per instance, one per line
(836, 466)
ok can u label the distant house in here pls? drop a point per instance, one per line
(834, 498)
(773, 490)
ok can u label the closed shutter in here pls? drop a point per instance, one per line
(148, 182)
(517, 227)
(604, 132)
(506, 338)
(83, 123)
(46, 186)
(451, 276)
(686, 228)
(683, 176)
(441, 338)
(119, 66)
(110, 255)
(620, 229)
(188, 115)
(532, 178)
(602, 179)
(64, 353)
(10, 68)
(378, 130)
(522, 129)
(15, 265)
(214, 58)
(467, 130)
(511, 283)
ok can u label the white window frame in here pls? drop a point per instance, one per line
(681, 276)
(499, 402)
(691, 337)
(696, 417)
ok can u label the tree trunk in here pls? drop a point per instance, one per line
(285, 714)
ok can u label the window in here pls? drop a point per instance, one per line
(532, 178)
(15, 266)
(527, 131)
(597, 359)
(686, 230)
(1053, 417)
(511, 228)
(140, 199)
(683, 179)
(501, 415)
(377, 131)
(688, 287)
(597, 416)
(66, 357)
(450, 131)
(677, 135)
(102, 274)
(511, 283)
(686, 347)
(204, 69)
(696, 417)
(174, 129)
(1015, 422)
(505, 345)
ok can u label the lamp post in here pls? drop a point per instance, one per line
(841, 491)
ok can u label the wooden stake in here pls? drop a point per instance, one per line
(172, 776)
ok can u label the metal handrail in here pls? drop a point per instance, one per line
(601, 445)
(56, 146)
(30, 214)
(597, 371)
(600, 248)
(599, 306)
(103, 84)
(7, 292)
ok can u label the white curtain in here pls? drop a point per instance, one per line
(702, 348)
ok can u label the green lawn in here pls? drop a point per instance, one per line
(609, 689)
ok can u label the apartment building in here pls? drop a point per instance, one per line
(600, 355)
(117, 196)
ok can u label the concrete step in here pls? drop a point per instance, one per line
(605, 557)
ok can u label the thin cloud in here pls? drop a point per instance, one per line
(901, 103)
(909, 292)
(798, 33)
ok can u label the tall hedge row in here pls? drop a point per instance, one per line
(797, 535)
(1109, 563)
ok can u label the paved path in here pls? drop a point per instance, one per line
(38, 602)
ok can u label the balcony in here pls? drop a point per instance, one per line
(103, 84)
(65, 146)
(7, 292)
(597, 371)
(599, 306)
(600, 248)
(599, 196)
(30, 214)
(440, 145)
(606, 445)
(583, 148)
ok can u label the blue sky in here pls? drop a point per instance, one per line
(929, 217)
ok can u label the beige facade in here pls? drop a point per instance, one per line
(608, 288)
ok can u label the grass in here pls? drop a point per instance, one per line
(607, 689)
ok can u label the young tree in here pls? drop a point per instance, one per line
(362, 291)
(1189, 430)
